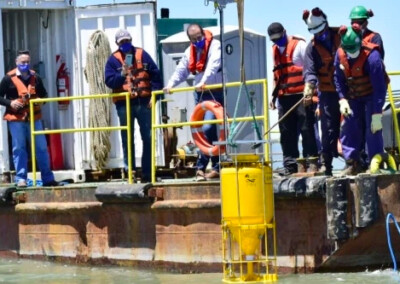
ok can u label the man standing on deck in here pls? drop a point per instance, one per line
(318, 72)
(359, 16)
(16, 89)
(202, 59)
(288, 52)
(138, 75)
(361, 82)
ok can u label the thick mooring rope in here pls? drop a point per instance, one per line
(97, 53)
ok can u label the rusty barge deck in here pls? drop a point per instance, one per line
(177, 225)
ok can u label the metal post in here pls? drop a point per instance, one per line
(33, 144)
(129, 134)
(221, 36)
(153, 137)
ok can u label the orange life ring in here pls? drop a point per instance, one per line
(197, 130)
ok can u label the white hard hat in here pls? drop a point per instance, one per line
(316, 20)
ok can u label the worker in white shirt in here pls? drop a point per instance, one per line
(288, 53)
(202, 59)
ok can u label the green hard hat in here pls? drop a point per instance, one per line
(351, 40)
(359, 12)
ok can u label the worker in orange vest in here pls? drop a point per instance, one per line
(318, 74)
(361, 82)
(288, 53)
(138, 77)
(16, 89)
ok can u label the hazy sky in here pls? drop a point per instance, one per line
(260, 13)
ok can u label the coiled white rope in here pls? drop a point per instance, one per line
(97, 54)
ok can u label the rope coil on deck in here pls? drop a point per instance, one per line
(97, 54)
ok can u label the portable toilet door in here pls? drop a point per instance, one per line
(173, 49)
(140, 20)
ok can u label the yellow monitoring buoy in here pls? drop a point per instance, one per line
(248, 222)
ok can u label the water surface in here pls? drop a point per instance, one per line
(42, 272)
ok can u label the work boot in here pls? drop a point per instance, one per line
(21, 183)
(326, 170)
(212, 175)
(301, 165)
(287, 171)
(353, 168)
(326, 165)
(312, 165)
(200, 176)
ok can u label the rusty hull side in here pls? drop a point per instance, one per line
(179, 231)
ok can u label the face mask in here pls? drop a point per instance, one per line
(323, 36)
(200, 44)
(125, 47)
(281, 42)
(23, 67)
(353, 55)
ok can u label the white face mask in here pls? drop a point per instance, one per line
(353, 55)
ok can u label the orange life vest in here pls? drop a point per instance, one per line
(286, 74)
(358, 82)
(325, 73)
(198, 66)
(25, 93)
(137, 83)
(367, 38)
(368, 35)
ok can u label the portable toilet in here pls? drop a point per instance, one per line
(58, 29)
(181, 105)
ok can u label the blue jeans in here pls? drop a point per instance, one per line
(209, 130)
(20, 134)
(143, 115)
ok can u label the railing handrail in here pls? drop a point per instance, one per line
(87, 129)
(155, 126)
(394, 109)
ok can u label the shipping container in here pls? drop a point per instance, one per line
(59, 28)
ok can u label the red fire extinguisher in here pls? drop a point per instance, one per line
(62, 82)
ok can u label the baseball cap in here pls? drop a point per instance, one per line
(121, 35)
(275, 31)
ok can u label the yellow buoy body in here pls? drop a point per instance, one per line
(247, 202)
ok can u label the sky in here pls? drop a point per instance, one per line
(260, 13)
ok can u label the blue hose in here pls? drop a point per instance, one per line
(388, 217)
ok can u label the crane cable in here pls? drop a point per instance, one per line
(97, 54)
(234, 126)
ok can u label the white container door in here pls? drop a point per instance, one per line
(139, 19)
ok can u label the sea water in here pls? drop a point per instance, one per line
(32, 272)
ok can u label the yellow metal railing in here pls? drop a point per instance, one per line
(72, 130)
(155, 126)
(395, 110)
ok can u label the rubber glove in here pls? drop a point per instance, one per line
(345, 109)
(308, 93)
(376, 122)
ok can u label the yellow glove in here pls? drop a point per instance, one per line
(308, 93)
(376, 122)
(345, 109)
